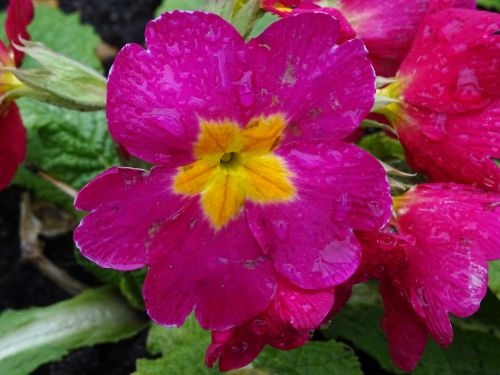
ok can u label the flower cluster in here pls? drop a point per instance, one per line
(259, 215)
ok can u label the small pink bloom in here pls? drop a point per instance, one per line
(387, 27)
(252, 181)
(449, 117)
(286, 324)
(432, 261)
(12, 131)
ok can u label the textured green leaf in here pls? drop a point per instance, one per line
(491, 4)
(71, 146)
(474, 350)
(382, 146)
(318, 358)
(29, 338)
(183, 351)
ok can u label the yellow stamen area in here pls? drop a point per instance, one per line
(235, 164)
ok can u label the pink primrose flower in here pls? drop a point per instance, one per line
(387, 27)
(12, 131)
(448, 115)
(251, 181)
(431, 261)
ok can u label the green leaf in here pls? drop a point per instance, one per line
(245, 18)
(66, 35)
(382, 147)
(183, 350)
(262, 23)
(169, 5)
(494, 277)
(29, 338)
(492, 4)
(318, 358)
(71, 146)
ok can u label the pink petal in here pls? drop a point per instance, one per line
(453, 65)
(234, 348)
(447, 265)
(127, 207)
(454, 147)
(12, 144)
(405, 331)
(19, 16)
(388, 27)
(195, 67)
(324, 91)
(304, 310)
(340, 188)
(223, 275)
(466, 213)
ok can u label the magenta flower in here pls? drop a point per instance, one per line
(251, 180)
(12, 131)
(448, 118)
(432, 261)
(286, 324)
(387, 27)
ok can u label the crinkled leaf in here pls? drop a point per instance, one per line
(71, 146)
(491, 4)
(474, 350)
(382, 147)
(29, 338)
(183, 351)
(319, 358)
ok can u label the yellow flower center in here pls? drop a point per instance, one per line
(235, 164)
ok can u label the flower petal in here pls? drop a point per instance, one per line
(12, 144)
(447, 266)
(453, 147)
(128, 207)
(222, 274)
(405, 331)
(234, 348)
(339, 188)
(453, 65)
(19, 16)
(195, 68)
(388, 27)
(323, 90)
